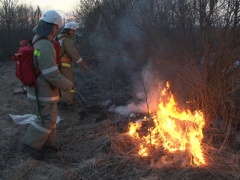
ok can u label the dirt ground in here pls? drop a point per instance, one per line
(91, 146)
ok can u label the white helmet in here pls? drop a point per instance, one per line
(71, 25)
(53, 17)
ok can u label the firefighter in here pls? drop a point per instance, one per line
(69, 54)
(42, 132)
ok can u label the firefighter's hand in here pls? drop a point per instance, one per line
(72, 90)
(84, 65)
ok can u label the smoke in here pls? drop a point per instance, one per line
(147, 94)
(128, 49)
(120, 44)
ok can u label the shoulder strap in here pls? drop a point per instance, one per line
(38, 72)
(38, 39)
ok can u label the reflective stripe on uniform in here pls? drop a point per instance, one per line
(49, 70)
(80, 60)
(36, 52)
(40, 128)
(66, 65)
(47, 99)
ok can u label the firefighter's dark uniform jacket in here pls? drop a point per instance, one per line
(50, 80)
(69, 54)
(68, 50)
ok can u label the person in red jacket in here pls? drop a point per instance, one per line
(69, 54)
(42, 132)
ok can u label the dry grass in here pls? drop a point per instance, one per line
(96, 150)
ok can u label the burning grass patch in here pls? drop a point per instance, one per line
(161, 163)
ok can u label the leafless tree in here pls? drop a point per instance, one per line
(194, 44)
(16, 22)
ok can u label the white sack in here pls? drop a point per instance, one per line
(27, 118)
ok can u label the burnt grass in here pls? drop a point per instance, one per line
(92, 139)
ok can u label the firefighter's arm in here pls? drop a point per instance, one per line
(82, 63)
(50, 71)
(73, 53)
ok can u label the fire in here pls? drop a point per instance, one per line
(173, 129)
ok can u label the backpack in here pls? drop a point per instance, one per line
(25, 70)
(56, 45)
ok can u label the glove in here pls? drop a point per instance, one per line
(84, 65)
(72, 90)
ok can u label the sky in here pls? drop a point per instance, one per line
(62, 5)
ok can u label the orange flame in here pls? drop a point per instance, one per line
(173, 129)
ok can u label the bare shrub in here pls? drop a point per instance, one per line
(193, 44)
